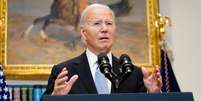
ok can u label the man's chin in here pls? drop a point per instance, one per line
(105, 49)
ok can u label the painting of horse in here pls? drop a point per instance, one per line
(46, 31)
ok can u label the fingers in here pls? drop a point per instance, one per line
(61, 80)
(68, 85)
(63, 73)
(145, 72)
(157, 75)
(62, 85)
(72, 80)
(153, 82)
(62, 77)
(156, 69)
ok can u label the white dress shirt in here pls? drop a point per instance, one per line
(92, 59)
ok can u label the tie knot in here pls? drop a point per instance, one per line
(96, 65)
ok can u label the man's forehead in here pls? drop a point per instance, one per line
(99, 14)
(95, 18)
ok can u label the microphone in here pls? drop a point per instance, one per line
(104, 64)
(126, 64)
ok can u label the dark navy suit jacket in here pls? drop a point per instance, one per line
(85, 83)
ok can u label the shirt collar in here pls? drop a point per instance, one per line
(93, 58)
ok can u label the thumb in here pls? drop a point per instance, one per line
(145, 72)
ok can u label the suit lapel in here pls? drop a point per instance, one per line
(85, 74)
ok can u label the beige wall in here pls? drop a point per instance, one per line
(184, 37)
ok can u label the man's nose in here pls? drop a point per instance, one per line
(104, 27)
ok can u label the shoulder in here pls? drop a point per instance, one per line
(69, 64)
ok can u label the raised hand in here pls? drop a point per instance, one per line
(152, 82)
(62, 84)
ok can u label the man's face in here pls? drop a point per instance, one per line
(98, 30)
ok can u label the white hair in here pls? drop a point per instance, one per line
(91, 7)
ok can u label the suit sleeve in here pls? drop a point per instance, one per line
(141, 87)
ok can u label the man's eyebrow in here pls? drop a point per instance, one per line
(110, 20)
(92, 20)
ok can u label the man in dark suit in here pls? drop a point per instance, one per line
(78, 75)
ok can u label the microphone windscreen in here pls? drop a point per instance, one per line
(124, 58)
(101, 57)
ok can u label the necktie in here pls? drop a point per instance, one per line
(101, 82)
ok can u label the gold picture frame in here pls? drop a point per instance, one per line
(42, 71)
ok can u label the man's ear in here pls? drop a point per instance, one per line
(83, 32)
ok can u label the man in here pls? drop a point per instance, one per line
(78, 75)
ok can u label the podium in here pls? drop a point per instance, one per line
(185, 96)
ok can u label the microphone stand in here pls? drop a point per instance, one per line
(116, 83)
(117, 79)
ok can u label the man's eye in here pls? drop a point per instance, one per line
(96, 23)
(109, 23)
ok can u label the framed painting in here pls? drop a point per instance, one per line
(37, 34)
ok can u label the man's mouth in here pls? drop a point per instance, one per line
(104, 38)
